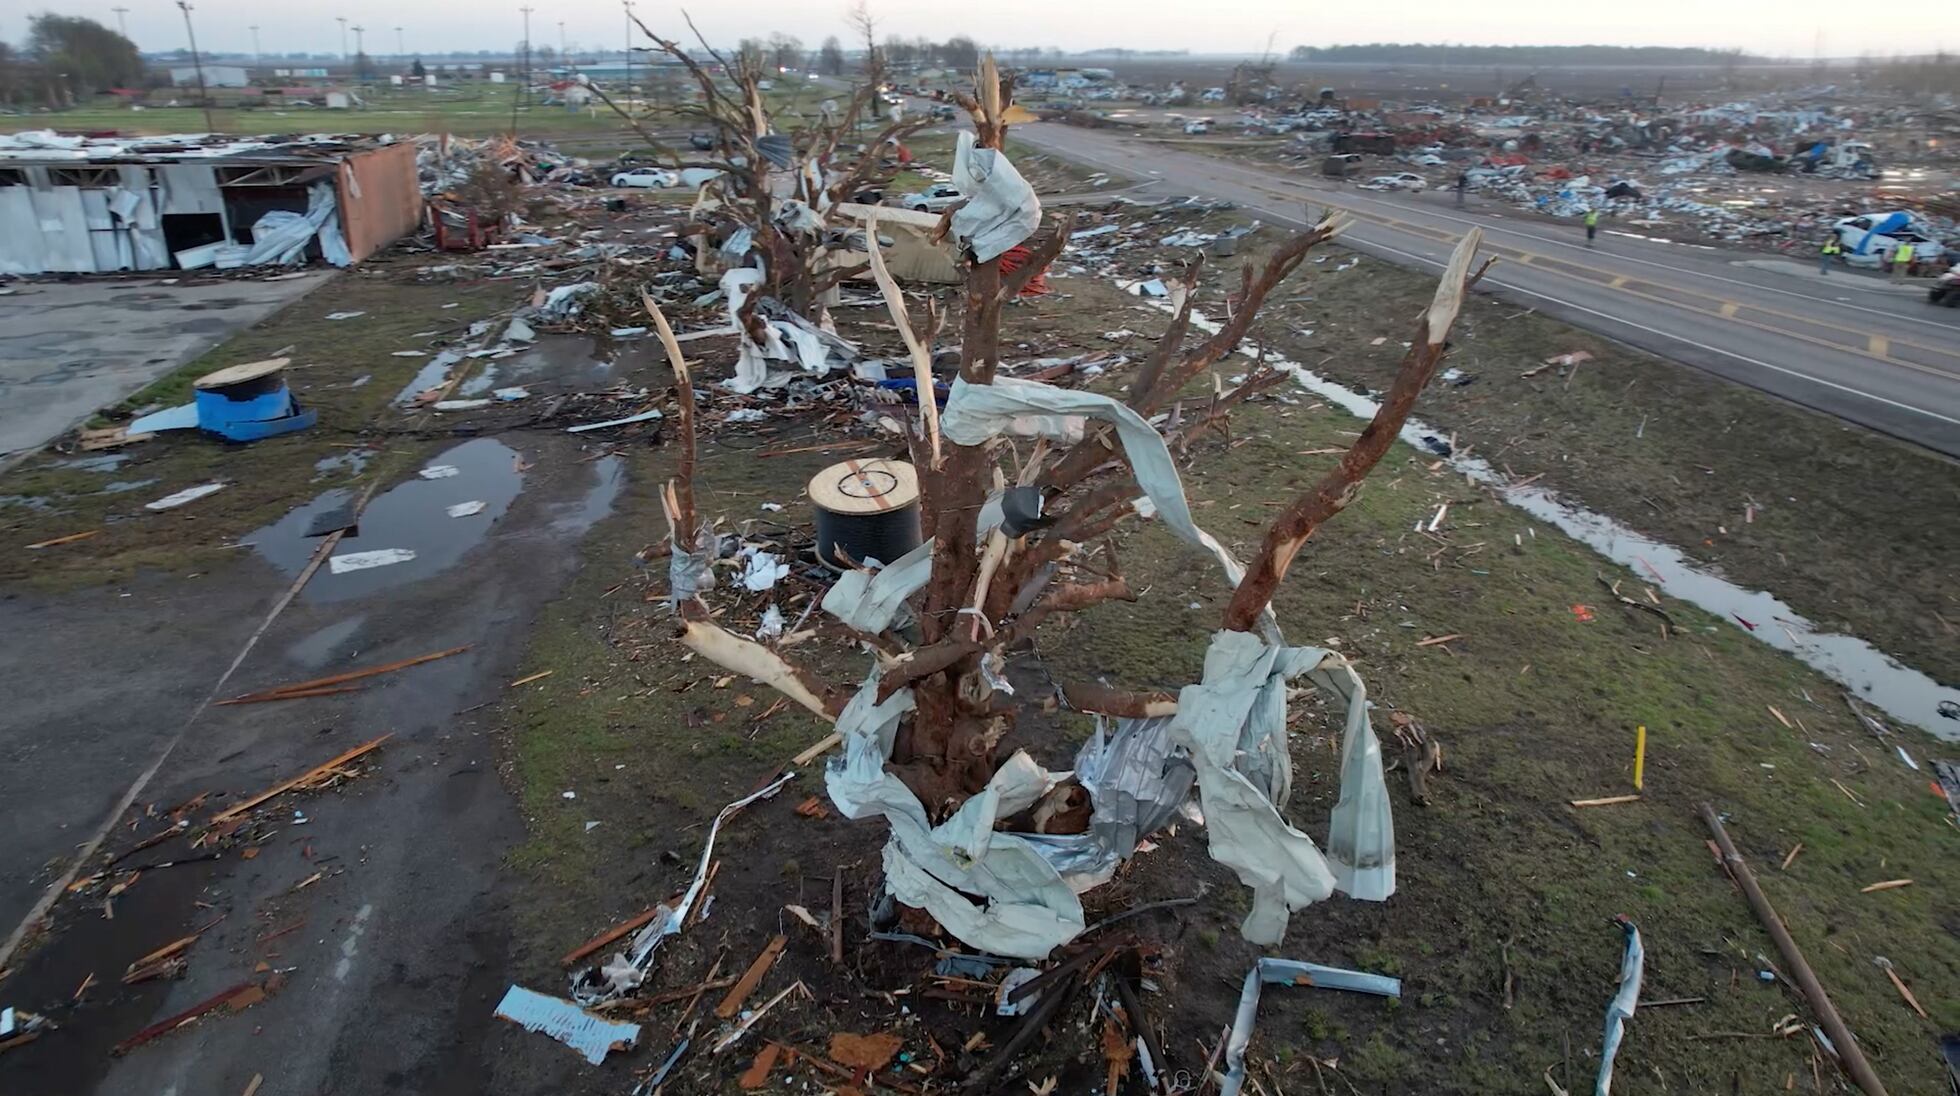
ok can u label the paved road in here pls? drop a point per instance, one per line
(68, 349)
(1846, 345)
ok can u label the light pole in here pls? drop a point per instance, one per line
(524, 91)
(203, 99)
(122, 25)
(342, 20)
(360, 56)
(629, 55)
(561, 42)
(401, 46)
(258, 54)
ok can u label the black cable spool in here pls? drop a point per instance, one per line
(865, 509)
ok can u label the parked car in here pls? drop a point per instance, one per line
(1401, 180)
(1198, 125)
(943, 113)
(703, 141)
(646, 177)
(933, 199)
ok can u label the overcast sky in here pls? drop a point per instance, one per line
(1776, 27)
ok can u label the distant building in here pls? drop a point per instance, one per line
(215, 76)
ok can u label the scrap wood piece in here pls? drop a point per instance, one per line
(866, 1052)
(296, 694)
(540, 675)
(611, 934)
(564, 1021)
(138, 971)
(1889, 884)
(1433, 641)
(740, 1029)
(280, 691)
(1848, 1054)
(239, 997)
(732, 1004)
(69, 539)
(812, 807)
(311, 774)
(1607, 801)
(761, 1066)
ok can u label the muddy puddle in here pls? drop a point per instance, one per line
(554, 364)
(1872, 675)
(599, 498)
(410, 522)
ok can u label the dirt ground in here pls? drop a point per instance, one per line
(617, 749)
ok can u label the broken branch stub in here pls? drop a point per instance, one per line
(1290, 531)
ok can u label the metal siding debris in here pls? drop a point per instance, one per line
(564, 1021)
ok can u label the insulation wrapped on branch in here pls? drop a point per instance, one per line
(1008, 551)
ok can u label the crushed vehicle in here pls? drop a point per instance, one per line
(1870, 239)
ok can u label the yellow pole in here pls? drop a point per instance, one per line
(1639, 755)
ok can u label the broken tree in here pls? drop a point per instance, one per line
(921, 731)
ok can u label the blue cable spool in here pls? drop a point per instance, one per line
(249, 402)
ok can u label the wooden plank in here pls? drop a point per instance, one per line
(285, 786)
(1609, 801)
(608, 936)
(352, 675)
(69, 539)
(172, 1023)
(732, 1004)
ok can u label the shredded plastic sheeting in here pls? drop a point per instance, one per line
(1234, 724)
(591, 1036)
(1619, 1010)
(691, 573)
(1001, 209)
(624, 972)
(976, 412)
(1289, 972)
(871, 601)
(787, 338)
(1029, 909)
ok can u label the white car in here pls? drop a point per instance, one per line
(646, 177)
(1406, 180)
(933, 199)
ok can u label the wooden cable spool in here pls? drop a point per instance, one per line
(865, 509)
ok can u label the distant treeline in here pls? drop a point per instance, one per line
(1420, 54)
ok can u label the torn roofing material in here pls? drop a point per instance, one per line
(591, 1036)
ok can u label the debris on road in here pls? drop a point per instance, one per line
(319, 773)
(179, 498)
(281, 692)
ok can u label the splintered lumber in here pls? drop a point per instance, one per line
(296, 694)
(817, 749)
(137, 970)
(69, 539)
(609, 935)
(1889, 884)
(1611, 800)
(281, 692)
(170, 1024)
(732, 1004)
(281, 788)
(1849, 1055)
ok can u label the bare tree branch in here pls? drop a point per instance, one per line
(1289, 532)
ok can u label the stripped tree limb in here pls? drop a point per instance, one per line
(1090, 697)
(687, 524)
(762, 665)
(1339, 487)
(921, 353)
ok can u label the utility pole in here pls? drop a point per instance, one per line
(122, 24)
(203, 99)
(562, 59)
(524, 90)
(629, 55)
(258, 54)
(401, 46)
(360, 56)
(342, 20)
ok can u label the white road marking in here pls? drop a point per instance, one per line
(352, 944)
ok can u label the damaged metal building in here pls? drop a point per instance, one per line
(104, 205)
